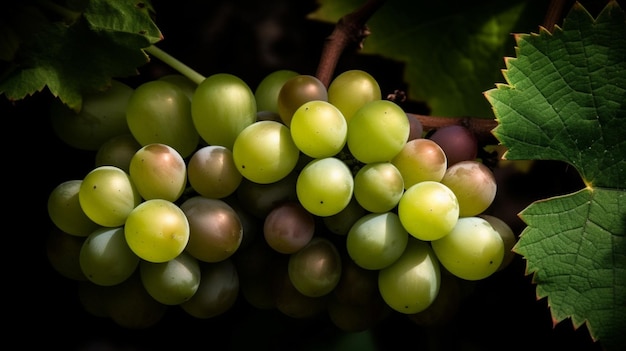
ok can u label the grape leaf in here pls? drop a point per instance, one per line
(452, 49)
(72, 56)
(565, 100)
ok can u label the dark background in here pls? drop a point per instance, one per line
(249, 39)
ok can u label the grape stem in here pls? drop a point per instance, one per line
(175, 64)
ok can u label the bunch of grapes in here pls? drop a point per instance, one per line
(293, 196)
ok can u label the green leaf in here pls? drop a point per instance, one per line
(452, 49)
(564, 100)
(74, 56)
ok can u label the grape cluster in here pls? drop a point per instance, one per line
(293, 196)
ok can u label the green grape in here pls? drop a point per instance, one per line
(264, 152)
(378, 186)
(130, 306)
(212, 172)
(325, 186)
(63, 252)
(315, 269)
(102, 116)
(222, 106)
(420, 160)
(446, 304)
(428, 210)
(376, 240)
(474, 185)
(217, 292)
(65, 211)
(117, 152)
(187, 85)
(341, 222)
(105, 257)
(93, 298)
(159, 172)
(412, 282)
(295, 92)
(507, 235)
(319, 129)
(473, 250)
(377, 131)
(266, 93)
(291, 302)
(172, 282)
(107, 195)
(215, 230)
(160, 112)
(352, 89)
(157, 230)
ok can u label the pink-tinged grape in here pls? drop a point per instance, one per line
(508, 238)
(377, 131)
(130, 306)
(412, 282)
(107, 195)
(159, 172)
(215, 230)
(420, 160)
(218, 290)
(458, 142)
(264, 152)
(473, 250)
(266, 93)
(260, 199)
(325, 186)
(474, 185)
(295, 92)
(352, 89)
(117, 151)
(416, 127)
(378, 187)
(160, 112)
(376, 240)
(63, 251)
(288, 227)
(222, 106)
(101, 117)
(157, 230)
(341, 222)
(428, 210)
(212, 172)
(290, 301)
(105, 257)
(172, 282)
(318, 129)
(65, 211)
(315, 269)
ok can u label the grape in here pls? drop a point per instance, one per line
(221, 107)
(172, 282)
(473, 250)
(93, 298)
(105, 257)
(473, 184)
(212, 172)
(420, 160)
(290, 301)
(428, 210)
(341, 222)
(130, 306)
(377, 131)
(445, 306)
(357, 285)
(102, 116)
(352, 317)
(157, 230)
(378, 187)
(63, 252)
(266, 93)
(260, 199)
(288, 227)
(215, 231)
(117, 151)
(376, 240)
(315, 269)
(65, 211)
(159, 172)
(458, 142)
(187, 85)
(318, 129)
(160, 112)
(107, 195)
(508, 238)
(416, 127)
(325, 186)
(352, 89)
(218, 290)
(296, 91)
(264, 152)
(411, 283)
